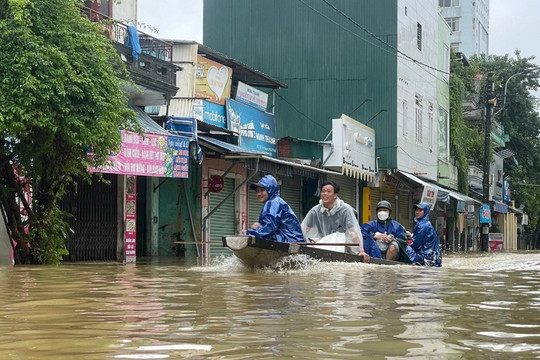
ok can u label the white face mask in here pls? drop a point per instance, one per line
(382, 215)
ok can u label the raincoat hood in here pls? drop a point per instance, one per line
(425, 207)
(269, 183)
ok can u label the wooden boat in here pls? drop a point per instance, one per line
(257, 252)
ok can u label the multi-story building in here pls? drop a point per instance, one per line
(384, 64)
(112, 221)
(469, 23)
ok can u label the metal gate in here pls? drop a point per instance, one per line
(222, 221)
(94, 220)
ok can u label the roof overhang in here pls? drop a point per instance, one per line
(443, 193)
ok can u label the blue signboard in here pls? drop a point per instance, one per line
(256, 129)
(506, 194)
(210, 113)
(485, 214)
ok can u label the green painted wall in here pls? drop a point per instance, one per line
(331, 64)
(179, 204)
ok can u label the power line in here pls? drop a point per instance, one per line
(301, 113)
(395, 50)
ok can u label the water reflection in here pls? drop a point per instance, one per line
(475, 307)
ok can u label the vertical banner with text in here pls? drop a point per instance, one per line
(131, 219)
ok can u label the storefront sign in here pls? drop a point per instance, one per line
(256, 128)
(210, 113)
(212, 80)
(252, 96)
(353, 150)
(496, 241)
(131, 219)
(150, 155)
(429, 196)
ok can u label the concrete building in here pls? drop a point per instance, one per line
(469, 23)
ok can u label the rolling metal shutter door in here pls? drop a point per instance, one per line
(222, 222)
(374, 198)
(291, 191)
(404, 211)
(254, 207)
(347, 185)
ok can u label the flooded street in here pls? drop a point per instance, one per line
(475, 307)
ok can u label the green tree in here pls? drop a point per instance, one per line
(465, 140)
(60, 96)
(516, 112)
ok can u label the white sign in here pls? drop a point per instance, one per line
(429, 196)
(353, 149)
(252, 96)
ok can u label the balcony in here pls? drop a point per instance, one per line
(153, 72)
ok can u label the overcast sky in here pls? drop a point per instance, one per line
(513, 23)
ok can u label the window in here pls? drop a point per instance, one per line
(453, 22)
(418, 118)
(448, 3)
(455, 46)
(404, 119)
(419, 36)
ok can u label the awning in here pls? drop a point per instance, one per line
(235, 152)
(443, 193)
(500, 207)
(357, 173)
(147, 123)
(224, 147)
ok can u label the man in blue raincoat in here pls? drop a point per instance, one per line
(425, 248)
(277, 220)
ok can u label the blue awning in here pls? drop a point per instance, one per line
(500, 207)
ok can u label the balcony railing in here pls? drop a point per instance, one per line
(117, 32)
(153, 68)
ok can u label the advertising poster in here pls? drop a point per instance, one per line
(429, 195)
(252, 96)
(150, 155)
(212, 80)
(256, 128)
(131, 219)
(210, 113)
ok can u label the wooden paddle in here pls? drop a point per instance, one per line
(324, 244)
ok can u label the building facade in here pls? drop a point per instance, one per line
(469, 23)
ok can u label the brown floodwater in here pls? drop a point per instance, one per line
(483, 306)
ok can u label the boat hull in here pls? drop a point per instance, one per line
(257, 252)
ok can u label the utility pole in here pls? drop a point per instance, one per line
(490, 103)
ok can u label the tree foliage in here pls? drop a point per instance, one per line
(60, 97)
(465, 140)
(516, 112)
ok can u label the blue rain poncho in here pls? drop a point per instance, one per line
(425, 248)
(278, 221)
(320, 222)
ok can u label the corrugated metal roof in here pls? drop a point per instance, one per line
(146, 122)
(241, 71)
(222, 145)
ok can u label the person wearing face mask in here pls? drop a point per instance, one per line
(386, 232)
